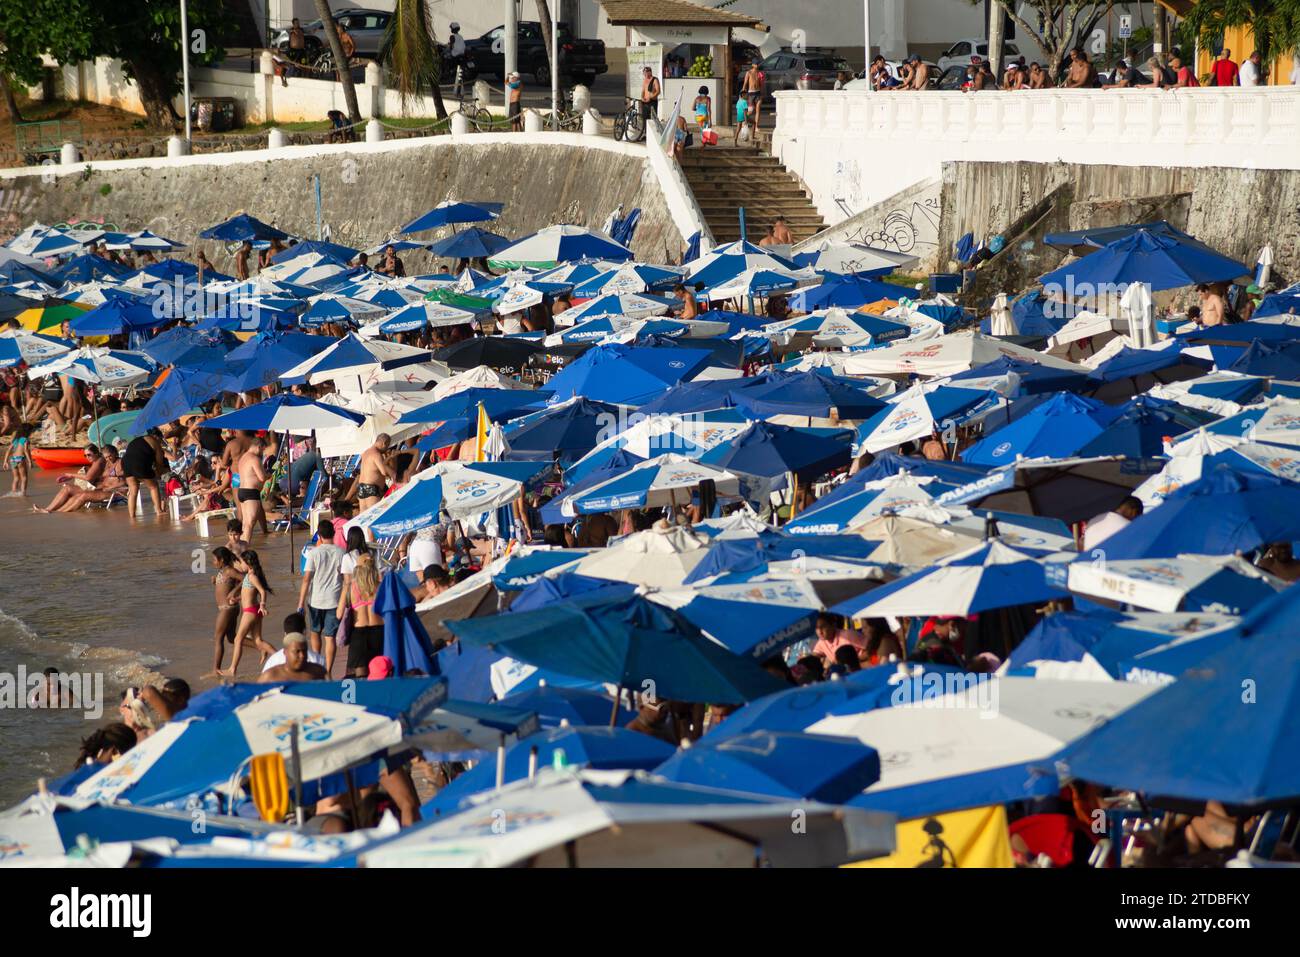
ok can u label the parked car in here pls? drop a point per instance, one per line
(366, 27)
(813, 69)
(580, 60)
(960, 53)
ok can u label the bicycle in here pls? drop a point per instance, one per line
(478, 118)
(630, 125)
(568, 119)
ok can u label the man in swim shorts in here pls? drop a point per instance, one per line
(248, 496)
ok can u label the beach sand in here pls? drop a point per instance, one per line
(94, 592)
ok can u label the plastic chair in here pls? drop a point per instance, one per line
(303, 516)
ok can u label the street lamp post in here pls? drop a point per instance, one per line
(555, 63)
(866, 41)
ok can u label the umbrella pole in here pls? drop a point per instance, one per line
(354, 796)
(501, 762)
(532, 763)
(613, 712)
(297, 772)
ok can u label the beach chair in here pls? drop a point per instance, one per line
(303, 516)
(203, 520)
(181, 505)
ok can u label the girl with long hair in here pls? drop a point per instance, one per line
(253, 593)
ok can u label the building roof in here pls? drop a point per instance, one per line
(644, 13)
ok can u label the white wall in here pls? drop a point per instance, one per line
(856, 149)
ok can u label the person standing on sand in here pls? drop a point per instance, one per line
(241, 260)
(253, 593)
(142, 463)
(322, 586)
(20, 460)
(375, 473)
(252, 476)
(224, 582)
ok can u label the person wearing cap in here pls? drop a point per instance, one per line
(920, 73)
(296, 667)
(380, 667)
(514, 88)
(1013, 79)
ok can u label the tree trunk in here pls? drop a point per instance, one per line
(544, 17)
(439, 108)
(997, 20)
(155, 90)
(14, 113)
(340, 61)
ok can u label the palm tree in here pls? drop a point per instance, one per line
(340, 61)
(544, 18)
(412, 55)
(1274, 23)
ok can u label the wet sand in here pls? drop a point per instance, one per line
(96, 592)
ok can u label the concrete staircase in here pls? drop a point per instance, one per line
(723, 179)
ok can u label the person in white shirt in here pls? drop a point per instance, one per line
(456, 42)
(1250, 72)
(318, 596)
(1295, 70)
(1104, 526)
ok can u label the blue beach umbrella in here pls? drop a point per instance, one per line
(602, 748)
(1160, 260)
(88, 267)
(1058, 427)
(333, 250)
(1223, 513)
(728, 261)
(183, 391)
(451, 212)
(472, 243)
(406, 643)
(498, 404)
(527, 565)
(202, 749)
(1186, 583)
(987, 577)
(808, 394)
(571, 428)
(286, 413)
(559, 244)
(419, 315)
(864, 503)
(623, 642)
(787, 764)
(333, 308)
(19, 346)
(664, 480)
(183, 345)
(770, 451)
(1032, 377)
(111, 368)
(755, 619)
(918, 413)
(1203, 737)
(629, 278)
(577, 706)
(847, 292)
(563, 586)
(242, 228)
(628, 375)
(114, 318)
(461, 489)
(1140, 428)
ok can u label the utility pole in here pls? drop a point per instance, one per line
(185, 69)
(997, 21)
(510, 40)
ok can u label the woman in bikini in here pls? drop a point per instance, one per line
(20, 460)
(252, 603)
(366, 639)
(225, 582)
(113, 481)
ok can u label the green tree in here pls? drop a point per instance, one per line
(146, 36)
(1057, 26)
(412, 55)
(1275, 23)
(30, 28)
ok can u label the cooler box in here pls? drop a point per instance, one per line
(945, 282)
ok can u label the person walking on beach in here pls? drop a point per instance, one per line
(321, 589)
(225, 582)
(649, 94)
(20, 460)
(375, 473)
(1212, 305)
(253, 593)
(142, 463)
(751, 88)
(366, 640)
(252, 476)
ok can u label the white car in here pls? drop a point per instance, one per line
(960, 53)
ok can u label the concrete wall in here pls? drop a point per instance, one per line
(1236, 211)
(907, 222)
(895, 140)
(368, 190)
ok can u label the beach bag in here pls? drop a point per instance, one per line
(345, 629)
(709, 137)
(745, 133)
(690, 139)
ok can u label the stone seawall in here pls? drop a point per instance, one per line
(1236, 211)
(367, 190)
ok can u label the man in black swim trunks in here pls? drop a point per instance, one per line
(376, 473)
(252, 476)
(142, 463)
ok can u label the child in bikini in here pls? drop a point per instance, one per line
(20, 460)
(252, 605)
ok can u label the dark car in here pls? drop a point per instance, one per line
(812, 69)
(366, 28)
(580, 60)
